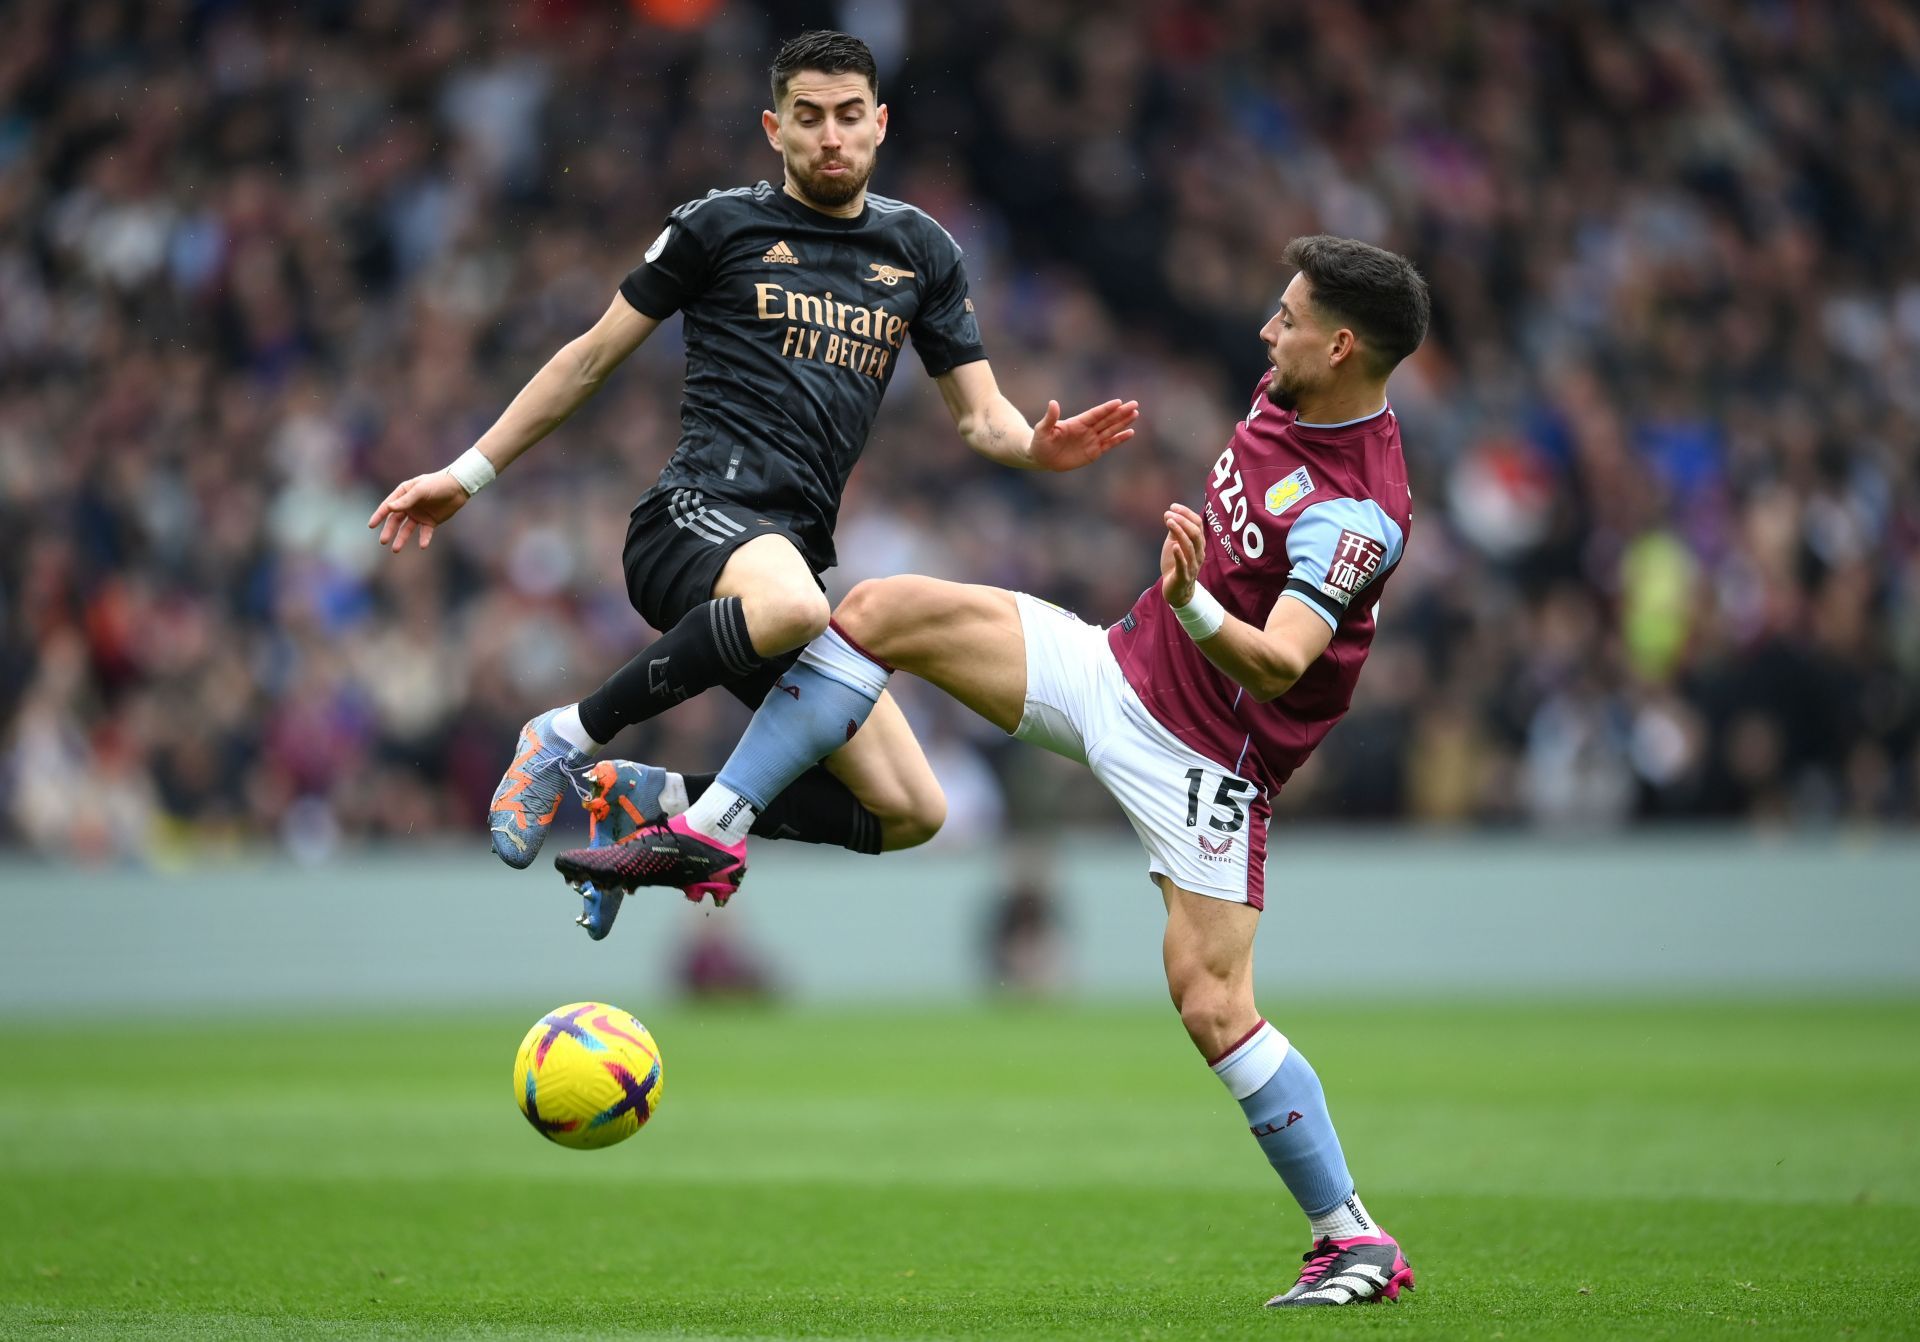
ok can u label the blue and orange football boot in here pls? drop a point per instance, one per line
(528, 797)
(621, 798)
(672, 854)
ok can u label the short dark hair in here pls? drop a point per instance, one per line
(827, 52)
(1376, 292)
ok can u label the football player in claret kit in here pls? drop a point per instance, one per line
(1192, 710)
(797, 299)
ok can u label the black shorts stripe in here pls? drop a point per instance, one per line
(691, 514)
(695, 514)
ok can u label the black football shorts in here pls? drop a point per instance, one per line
(678, 540)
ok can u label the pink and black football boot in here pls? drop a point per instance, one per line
(1349, 1272)
(670, 855)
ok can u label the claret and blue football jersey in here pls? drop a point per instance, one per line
(1317, 513)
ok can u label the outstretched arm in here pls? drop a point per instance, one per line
(1266, 660)
(554, 393)
(991, 425)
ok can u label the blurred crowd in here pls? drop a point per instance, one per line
(260, 263)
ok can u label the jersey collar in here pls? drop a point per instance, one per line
(1345, 423)
(806, 214)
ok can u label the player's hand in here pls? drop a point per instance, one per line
(1181, 553)
(419, 504)
(1067, 444)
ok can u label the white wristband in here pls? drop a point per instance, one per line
(472, 470)
(1202, 616)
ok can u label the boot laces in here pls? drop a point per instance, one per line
(1318, 1260)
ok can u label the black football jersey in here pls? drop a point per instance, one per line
(794, 322)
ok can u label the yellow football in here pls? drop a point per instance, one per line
(588, 1075)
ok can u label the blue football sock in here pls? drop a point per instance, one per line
(1287, 1111)
(811, 711)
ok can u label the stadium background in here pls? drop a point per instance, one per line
(258, 266)
(1642, 727)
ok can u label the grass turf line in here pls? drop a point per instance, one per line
(1593, 1171)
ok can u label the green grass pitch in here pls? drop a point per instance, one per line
(1552, 1170)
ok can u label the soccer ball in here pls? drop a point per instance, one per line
(587, 1075)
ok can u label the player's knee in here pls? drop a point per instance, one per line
(879, 610)
(781, 621)
(1208, 1006)
(1207, 1019)
(916, 818)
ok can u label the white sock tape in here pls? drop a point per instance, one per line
(1253, 1064)
(836, 659)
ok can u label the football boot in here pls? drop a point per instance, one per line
(672, 854)
(528, 797)
(1349, 1272)
(622, 797)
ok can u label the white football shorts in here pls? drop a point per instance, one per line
(1203, 827)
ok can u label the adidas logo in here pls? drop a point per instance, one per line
(781, 254)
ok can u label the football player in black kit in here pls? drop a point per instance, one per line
(796, 300)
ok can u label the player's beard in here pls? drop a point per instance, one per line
(1281, 392)
(830, 192)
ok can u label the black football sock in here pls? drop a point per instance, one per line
(815, 808)
(708, 646)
